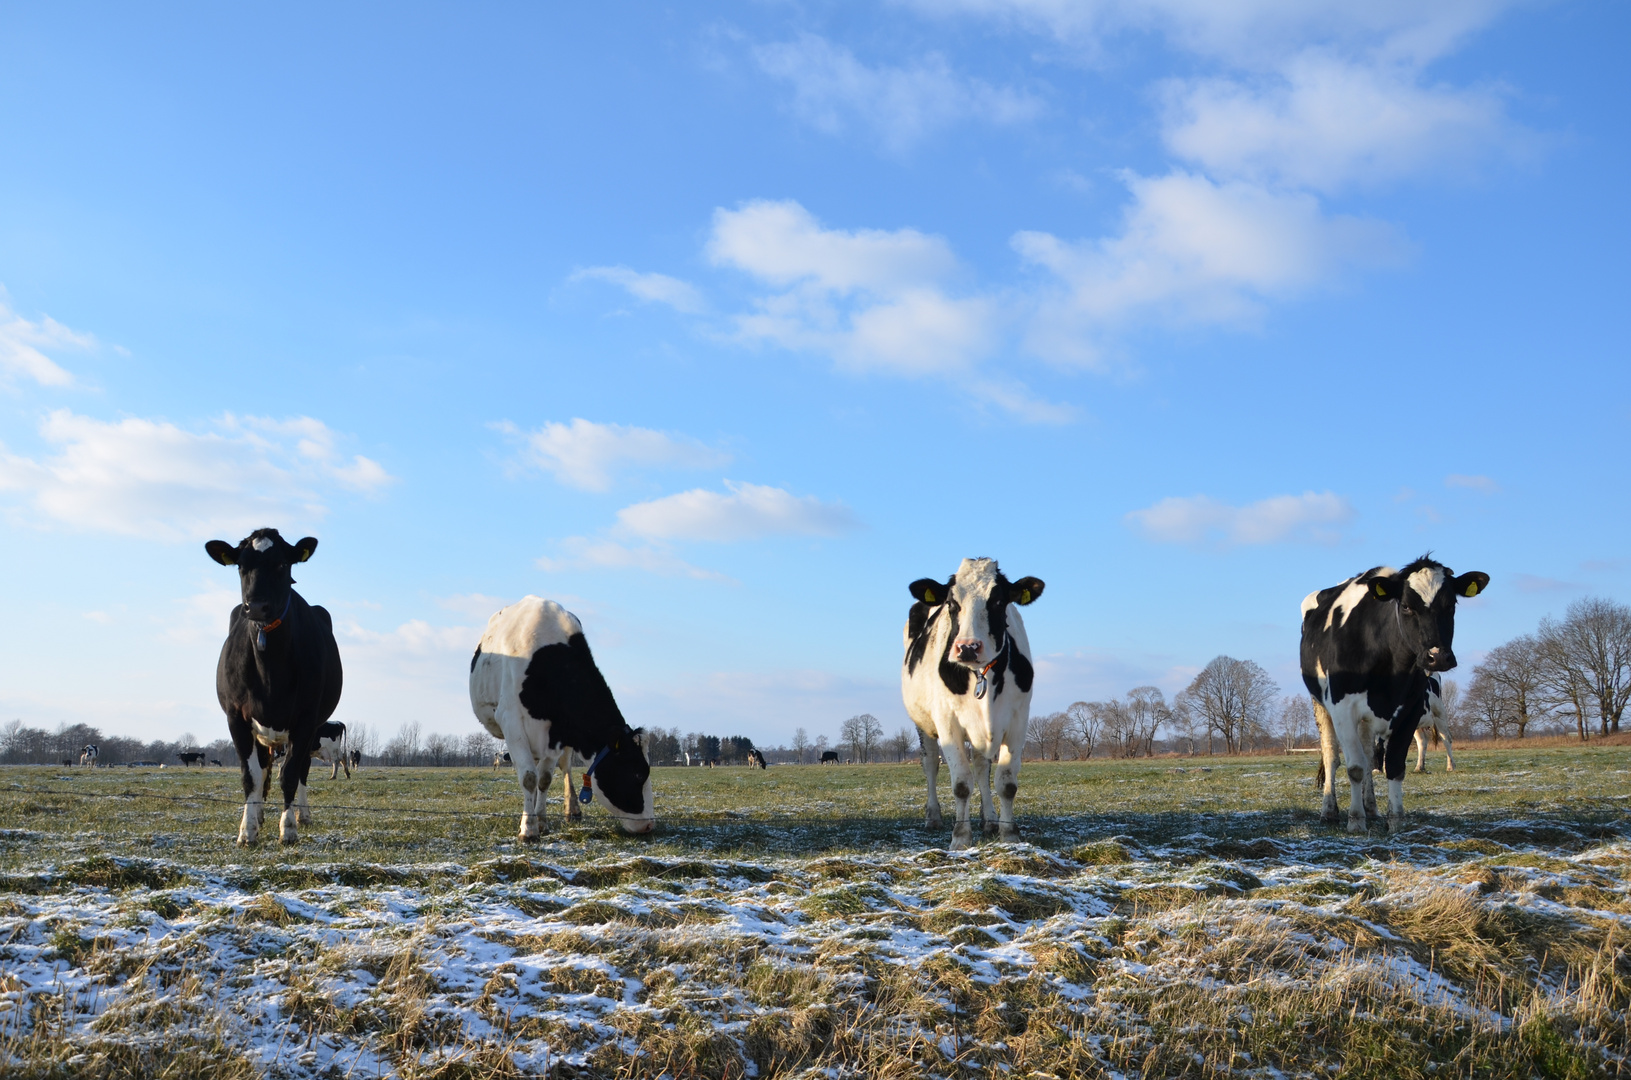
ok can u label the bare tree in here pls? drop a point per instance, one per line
(801, 744)
(1147, 713)
(1564, 682)
(1082, 727)
(1232, 697)
(1296, 720)
(1047, 735)
(900, 743)
(862, 734)
(1594, 639)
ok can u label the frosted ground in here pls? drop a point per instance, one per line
(1166, 918)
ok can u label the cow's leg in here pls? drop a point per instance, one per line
(962, 786)
(296, 767)
(981, 765)
(1368, 796)
(1421, 750)
(574, 810)
(931, 775)
(535, 776)
(1328, 762)
(1008, 759)
(1354, 739)
(255, 764)
(1398, 751)
(334, 773)
(1449, 758)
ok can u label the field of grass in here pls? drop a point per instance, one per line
(1169, 917)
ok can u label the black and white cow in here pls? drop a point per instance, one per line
(534, 684)
(88, 755)
(195, 758)
(279, 676)
(829, 757)
(331, 749)
(1433, 726)
(1369, 647)
(966, 681)
(501, 758)
(756, 757)
(355, 757)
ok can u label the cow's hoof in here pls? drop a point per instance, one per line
(1357, 825)
(961, 836)
(933, 822)
(1008, 833)
(1395, 822)
(246, 839)
(1449, 768)
(576, 815)
(305, 816)
(990, 828)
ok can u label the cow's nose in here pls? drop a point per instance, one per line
(257, 610)
(1440, 659)
(968, 649)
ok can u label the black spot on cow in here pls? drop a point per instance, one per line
(1024, 673)
(474, 658)
(563, 685)
(920, 625)
(1010, 790)
(961, 789)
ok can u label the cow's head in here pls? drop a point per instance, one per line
(263, 559)
(976, 598)
(1423, 596)
(623, 780)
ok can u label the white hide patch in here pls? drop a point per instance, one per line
(268, 737)
(1427, 582)
(1310, 602)
(1353, 591)
(263, 544)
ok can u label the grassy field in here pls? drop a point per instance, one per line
(1174, 917)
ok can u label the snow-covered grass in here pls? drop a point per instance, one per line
(1177, 917)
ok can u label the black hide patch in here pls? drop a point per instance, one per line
(564, 687)
(920, 622)
(1024, 674)
(333, 731)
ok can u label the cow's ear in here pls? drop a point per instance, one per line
(1471, 583)
(1386, 587)
(304, 549)
(929, 590)
(222, 552)
(1025, 590)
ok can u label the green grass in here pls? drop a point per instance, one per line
(1168, 917)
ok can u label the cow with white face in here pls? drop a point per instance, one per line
(1370, 648)
(534, 684)
(966, 681)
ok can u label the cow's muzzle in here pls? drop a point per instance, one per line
(258, 610)
(968, 650)
(1439, 659)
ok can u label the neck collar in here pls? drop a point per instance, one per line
(260, 634)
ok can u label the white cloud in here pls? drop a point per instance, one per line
(650, 287)
(1199, 519)
(1324, 122)
(152, 478)
(747, 512)
(870, 299)
(22, 342)
(477, 607)
(585, 455)
(831, 89)
(1476, 483)
(1193, 250)
(586, 553)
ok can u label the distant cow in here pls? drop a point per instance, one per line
(215, 761)
(829, 757)
(501, 758)
(331, 749)
(966, 680)
(196, 758)
(756, 757)
(88, 755)
(1434, 726)
(534, 683)
(279, 677)
(355, 757)
(1369, 647)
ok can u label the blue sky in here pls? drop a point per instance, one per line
(722, 323)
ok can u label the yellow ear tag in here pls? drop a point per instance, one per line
(1472, 588)
(1381, 593)
(1025, 597)
(928, 596)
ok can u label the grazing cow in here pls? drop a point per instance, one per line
(331, 749)
(1369, 647)
(501, 758)
(355, 757)
(829, 757)
(196, 758)
(279, 676)
(1434, 726)
(215, 761)
(756, 757)
(534, 683)
(88, 755)
(966, 681)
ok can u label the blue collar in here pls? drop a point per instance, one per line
(260, 635)
(587, 795)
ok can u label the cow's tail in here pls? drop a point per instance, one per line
(1319, 775)
(1434, 738)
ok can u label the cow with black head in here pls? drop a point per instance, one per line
(279, 676)
(1370, 647)
(534, 684)
(966, 681)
